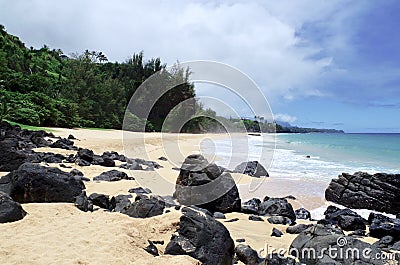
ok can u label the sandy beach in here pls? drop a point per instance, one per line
(60, 233)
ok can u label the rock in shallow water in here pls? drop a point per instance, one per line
(251, 168)
(202, 237)
(379, 192)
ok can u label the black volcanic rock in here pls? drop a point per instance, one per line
(297, 229)
(39, 141)
(381, 225)
(131, 166)
(16, 147)
(276, 232)
(282, 220)
(256, 218)
(247, 255)
(107, 162)
(251, 206)
(162, 158)
(345, 219)
(100, 200)
(202, 237)
(35, 183)
(145, 207)
(277, 207)
(140, 190)
(302, 214)
(379, 192)
(64, 144)
(204, 184)
(120, 203)
(112, 175)
(86, 154)
(151, 248)
(251, 168)
(12, 156)
(83, 203)
(10, 211)
(320, 238)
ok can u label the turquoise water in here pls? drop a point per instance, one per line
(304, 164)
(371, 152)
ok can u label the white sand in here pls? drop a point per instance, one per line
(62, 234)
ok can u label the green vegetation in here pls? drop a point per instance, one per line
(31, 128)
(43, 87)
(46, 88)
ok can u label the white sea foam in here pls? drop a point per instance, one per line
(290, 162)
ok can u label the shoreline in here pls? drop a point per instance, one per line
(104, 234)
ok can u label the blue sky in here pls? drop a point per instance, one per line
(330, 64)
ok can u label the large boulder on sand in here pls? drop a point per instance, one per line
(10, 211)
(276, 207)
(145, 207)
(202, 237)
(35, 183)
(205, 185)
(379, 192)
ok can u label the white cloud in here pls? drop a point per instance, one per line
(260, 38)
(284, 117)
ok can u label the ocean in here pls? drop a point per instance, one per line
(304, 164)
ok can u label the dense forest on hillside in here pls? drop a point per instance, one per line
(44, 87)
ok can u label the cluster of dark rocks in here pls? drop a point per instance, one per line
(379, 192)
(199, 233)
(17, 148)
(17, 144)
(32, 183)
